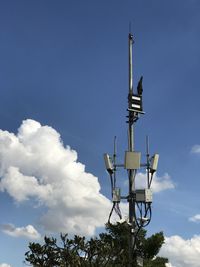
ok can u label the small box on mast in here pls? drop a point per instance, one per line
(132, 160)
(116, 195)
(143, 195)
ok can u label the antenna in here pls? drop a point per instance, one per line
(139, 200)
(148, 161)
(114, 160)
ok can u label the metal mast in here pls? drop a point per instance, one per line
(131, 149)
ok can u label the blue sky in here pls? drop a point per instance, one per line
(64, 70)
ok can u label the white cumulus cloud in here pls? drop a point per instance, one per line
(35, 165)
(169, 265)
(28, 231)
(158, 184)
(195, 149)
(5, 265)
(182, 252)
(195, 218)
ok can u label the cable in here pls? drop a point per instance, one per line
(111, 182)
(115, 205)
(151, 179)
(116, 208)
(142, 224)
(150, 215)
(111, 213)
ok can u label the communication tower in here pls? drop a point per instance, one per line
(139, 200)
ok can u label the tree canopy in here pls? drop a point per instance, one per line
(108, 249)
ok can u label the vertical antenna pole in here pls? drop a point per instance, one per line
(130, 141)
(130, 63)
(131, 173)
(114, 159)
(148, 159)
